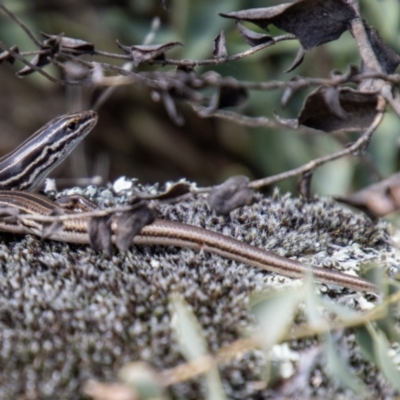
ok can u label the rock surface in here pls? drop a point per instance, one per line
(68, 314)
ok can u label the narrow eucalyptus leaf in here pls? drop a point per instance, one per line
(366, 343)
(312, 303)
(388, 368)
(193, 344)
(275, 312)
(340, 370)
(214, 388)
(388, 325)
(187, 329)
(107, 391)
(143, 379)
(345, 314)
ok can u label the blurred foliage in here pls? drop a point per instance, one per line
(135, 136)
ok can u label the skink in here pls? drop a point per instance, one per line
(26, 166)
(49, 146)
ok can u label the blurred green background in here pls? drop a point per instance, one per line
(136, 138)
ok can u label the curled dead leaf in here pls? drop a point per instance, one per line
(130, 223)
(220, 50)
(7, 56)
(253, 38)
(313, 22)
(338, 109)
(147, 53)
(67, 44)
(54, 44)
(99, 229)
(388, 59)
(376, 200)
(231, 194)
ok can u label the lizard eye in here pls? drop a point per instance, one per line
(72, 126)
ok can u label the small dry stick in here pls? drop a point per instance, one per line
(354, 148)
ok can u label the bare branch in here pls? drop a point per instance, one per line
(357, 146)
(234, 57)
(187, 86)
(245, 120)
(364, 46)
(37, 69)
(21, 24)
(231, 351)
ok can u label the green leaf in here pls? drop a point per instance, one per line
(385, 363)
(340, 369)
(346, 314)
(366, 343)
(312, 301)
(275, 312)
(193, 344)
(187, 329)
(143, 379)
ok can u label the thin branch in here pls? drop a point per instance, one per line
(187, 85)
(367, 54)
(206, 80)
(365, 159)
(127, 66)
(21, 24)
(26, 62)
(196, 63)
(118, 56)
(361, 143)
(170, 79)
(234, 57)
(203, 365)
(245, 120)
(358, 30)
(300, 82)
(34, 52)
(150, 78)
(37, 69)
